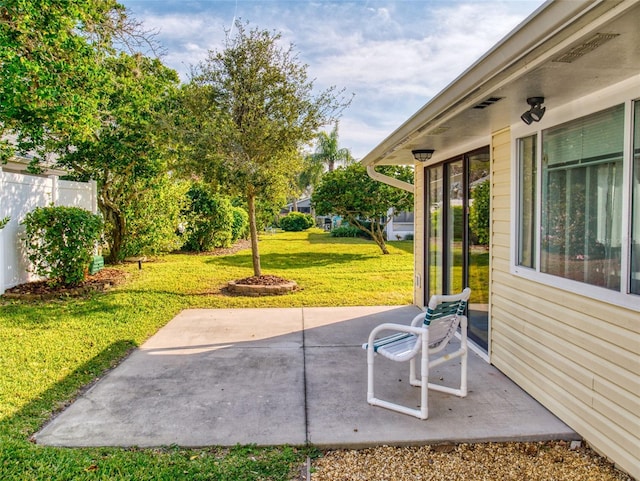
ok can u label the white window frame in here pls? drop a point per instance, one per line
(623, 93)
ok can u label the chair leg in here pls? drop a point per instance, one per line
(463, 374)
(413, 379)
(424, 381)
(463, 363)
(371, 399)
(370, 358)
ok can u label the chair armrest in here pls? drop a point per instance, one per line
(388, 326)
(419, 319)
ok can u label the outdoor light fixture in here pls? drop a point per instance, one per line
(535, 113)
(422, 155)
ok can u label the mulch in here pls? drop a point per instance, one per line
(100, 281)
(263, 280)
(108, 278)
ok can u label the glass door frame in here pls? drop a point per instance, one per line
(446, 243)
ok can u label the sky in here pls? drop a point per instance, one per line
(393, 56)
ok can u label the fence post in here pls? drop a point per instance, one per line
(54, 189)
(94, 196)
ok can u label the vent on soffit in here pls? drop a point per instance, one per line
(488, 102)
(584, 48)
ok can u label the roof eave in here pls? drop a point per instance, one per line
(511, 54)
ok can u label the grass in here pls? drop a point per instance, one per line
(51, 350)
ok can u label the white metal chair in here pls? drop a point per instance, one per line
(428, 335)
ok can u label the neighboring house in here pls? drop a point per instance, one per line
(303, 205)
(400, 226)
(556, 303)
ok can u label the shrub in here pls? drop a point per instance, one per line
(209, 220)
(153, 219)
(60, 241)
(296, 222)
(240, 226)
(347, 231)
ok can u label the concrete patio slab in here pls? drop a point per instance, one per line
(286, 376)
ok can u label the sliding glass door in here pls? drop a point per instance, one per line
(457, 227)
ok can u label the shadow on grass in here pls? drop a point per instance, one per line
(20, 459)
(406, 246)
(33, 315)
(36, 413)
(290, 261)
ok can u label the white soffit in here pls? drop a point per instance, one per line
(565, 50)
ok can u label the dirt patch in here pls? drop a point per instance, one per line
(100, 281)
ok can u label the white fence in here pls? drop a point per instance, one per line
(20, 194)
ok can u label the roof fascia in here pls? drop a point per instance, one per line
(506, 57)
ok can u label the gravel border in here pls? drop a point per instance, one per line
(548, 461)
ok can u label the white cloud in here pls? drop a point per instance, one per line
(394, 55)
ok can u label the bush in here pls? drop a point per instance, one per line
(296, 222)
(153, 219)
(347, 231)
(209, 220)
(240, 226)
(60, 241)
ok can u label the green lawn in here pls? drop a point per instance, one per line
(51, 350)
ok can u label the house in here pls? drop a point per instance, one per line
(400, 225)
(548, 121)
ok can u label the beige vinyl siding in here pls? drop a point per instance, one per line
(576, 355)
(419, 235)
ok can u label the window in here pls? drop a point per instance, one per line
(573, 202)
(582, 199)
(528, 210)
(635, 207)
(403, 217)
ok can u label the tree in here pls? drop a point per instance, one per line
(254, 108)
(328, 152)
(128, 154)
(363, 202)
(52, 55)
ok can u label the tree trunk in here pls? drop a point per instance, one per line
(376, 233)
(253, 229)
(118, 226)
(378, 237)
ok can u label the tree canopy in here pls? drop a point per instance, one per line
(127, 156)
(255, 108)
(52, 55)
(328, 151)
(349, 192)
